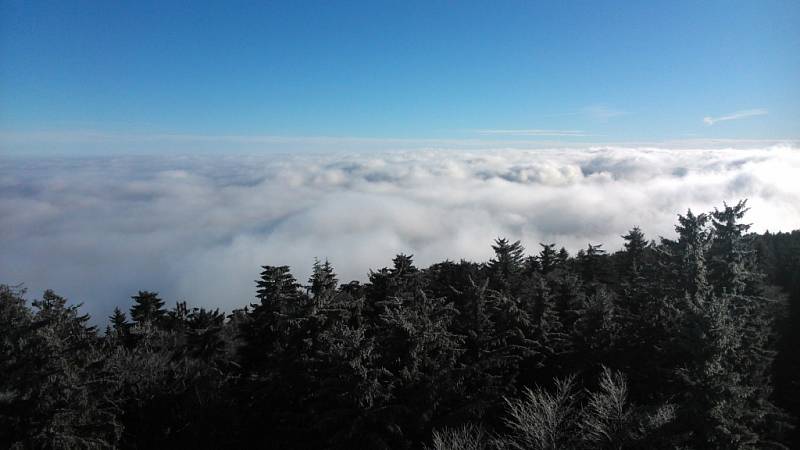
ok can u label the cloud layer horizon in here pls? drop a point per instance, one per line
(197, 228)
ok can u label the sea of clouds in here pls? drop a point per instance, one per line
(197, 228)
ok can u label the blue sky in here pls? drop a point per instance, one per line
(556, 71)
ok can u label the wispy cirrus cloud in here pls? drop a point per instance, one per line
(595, 112)
(736, 115)
(602, 112)
(533, 132)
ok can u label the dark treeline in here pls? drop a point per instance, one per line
(684, 343)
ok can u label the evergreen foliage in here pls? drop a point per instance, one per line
(147, 307)
(676, 343)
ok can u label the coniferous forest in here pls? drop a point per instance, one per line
(688, 343)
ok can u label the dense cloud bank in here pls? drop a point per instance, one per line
(197, 228)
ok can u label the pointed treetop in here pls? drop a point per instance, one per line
(548, 258)
(322, 279)
(147, 307)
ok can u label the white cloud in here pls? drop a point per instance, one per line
(733, 116)
(597, 112)
(602, 112)
(197, 228)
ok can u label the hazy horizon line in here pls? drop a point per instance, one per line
(44, 142)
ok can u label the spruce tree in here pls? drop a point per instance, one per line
(386, 283)
(147, 308)
(119, 322)
(488, 359)
(54, 392)
(278, 348)
(596, 330)
(21, 357)
(562, 257)
(506, 266)
(723, 336)
(548, 258)
(204, 334)
(275, 320)
(635, 247)
(733, 260)
(176, 318)
(323, 280)
(593, 267)
(689, 254)
(546, 333)
(420, 353)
